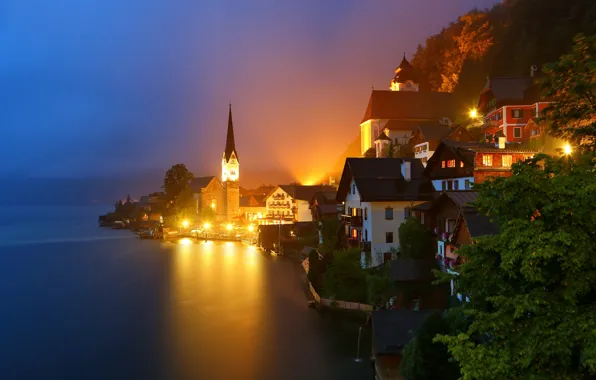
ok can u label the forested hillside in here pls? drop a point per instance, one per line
(503, 41)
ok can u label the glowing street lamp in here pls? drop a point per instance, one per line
(207, 225)
(185, 223)
(251, 228)
(567, 149)
(229, 227)
(473, 113)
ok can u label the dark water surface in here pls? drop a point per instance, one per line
(105, 305)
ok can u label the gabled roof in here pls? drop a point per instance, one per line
(401, 125)
(382, 137)
(252, 201)
(475, 223)
(407, 269)
(412, 105)
(304, 193)
(393, 329)
(380, 179)
(326, 197)
(433, 131)
(508, 88)
(196, 184)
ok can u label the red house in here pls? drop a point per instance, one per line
(508, 103)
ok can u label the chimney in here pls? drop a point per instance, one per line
(502, 142)
(406, 170)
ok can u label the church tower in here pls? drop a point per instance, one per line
(230, 173)
(405, 78)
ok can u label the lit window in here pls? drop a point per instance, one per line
(442, 164)
(517, 132)
(388, 237)
(461, 164)
(354, 233)
(507, 161)
(451, 163)
(389, 213)
(487, 160)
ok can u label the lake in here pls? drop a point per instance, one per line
(83, 302)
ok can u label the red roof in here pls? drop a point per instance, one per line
(410, 105)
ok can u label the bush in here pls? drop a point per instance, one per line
(415, 240)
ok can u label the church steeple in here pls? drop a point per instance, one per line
(406, 77)
(230, 144)
(230, 165)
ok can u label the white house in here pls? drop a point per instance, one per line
(291, 203)
(378, 195)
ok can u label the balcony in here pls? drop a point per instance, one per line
(354, 221)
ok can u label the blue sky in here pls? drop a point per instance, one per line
(101, 87)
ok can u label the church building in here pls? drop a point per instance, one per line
(220, 199)
(393, 115)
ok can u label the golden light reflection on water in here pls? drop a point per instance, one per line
(217, 291)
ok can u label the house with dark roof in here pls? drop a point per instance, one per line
(291, 203)
(323, 205)
(413, 287)
(377, 195)
(508, 103)
(391, 331)
(457, 165)
(427, 137)
(398, 111)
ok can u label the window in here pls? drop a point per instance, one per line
(366, 213)
(365, 235)
(451, 163)
(422, 218)
(507, 161)
(389, 213)
(354, 212)
(449, 185)
(487, 160)
(416, 304)
(407, 212)
(354, 233)
(443, 164)
(354, 188)
(461, 164)
(444, 185)
(516, 113)
(456, 185)
(349, 211)
(517, 132)
(467, 184)
(388, 237)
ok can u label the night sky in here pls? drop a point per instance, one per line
(105, 87)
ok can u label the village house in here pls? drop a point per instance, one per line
(413, 287)
(427, 137)
(508, 103)
(291, 203)
(398, 111)
(209, 195)
(324, 206)
(252, 207)
(378, 195)
(457, 165)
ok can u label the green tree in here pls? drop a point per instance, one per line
(415, 240)
(344, 277)
(531, 288)
(571, 84)
(424, 359)
(176, 180)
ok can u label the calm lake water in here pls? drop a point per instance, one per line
(82, 302)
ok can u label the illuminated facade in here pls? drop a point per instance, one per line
(405, 78)
(230, 173)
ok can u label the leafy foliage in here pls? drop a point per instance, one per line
(176, 180)
(423, 359)
(532, 290)
(344, 277)
(415, 240)
(571, 84)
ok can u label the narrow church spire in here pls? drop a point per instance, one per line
(230, 144)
